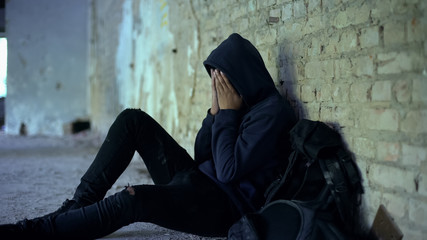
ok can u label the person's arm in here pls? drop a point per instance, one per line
(239, 148)
(237, 153)
(202, 146)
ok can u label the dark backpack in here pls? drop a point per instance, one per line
(317, 196)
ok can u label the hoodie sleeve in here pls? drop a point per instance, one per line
(239, 152)
(202, 145)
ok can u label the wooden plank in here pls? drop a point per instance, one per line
(384, 227)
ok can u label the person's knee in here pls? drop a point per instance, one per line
(125, 199)
(131, 115)
(120, 208)
(130, 112)
(132, 204)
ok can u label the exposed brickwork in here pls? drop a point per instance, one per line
(361, 64)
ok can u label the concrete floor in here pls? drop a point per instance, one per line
(38, 173)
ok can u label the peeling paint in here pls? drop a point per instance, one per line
(149, 83)
(124, 54)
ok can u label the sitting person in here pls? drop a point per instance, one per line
(239, 150)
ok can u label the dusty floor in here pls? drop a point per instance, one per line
(38, 173)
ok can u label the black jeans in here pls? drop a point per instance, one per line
(182, 198)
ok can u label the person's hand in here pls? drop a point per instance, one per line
(215, 107)
(228, 98)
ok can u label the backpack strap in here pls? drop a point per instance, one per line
(346, 196)
(334, 180)
(277, 184)
(353, 174)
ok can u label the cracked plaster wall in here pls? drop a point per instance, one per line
(150, 61)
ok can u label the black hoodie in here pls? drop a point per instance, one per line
(242, 150)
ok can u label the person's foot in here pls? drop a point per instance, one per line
(14, 231)
(37, 228)
(28, 229)
(10, 228)
(67, 205)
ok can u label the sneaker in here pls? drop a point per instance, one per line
(14, 231)
(27, 229)
(10, 229)
(67, 205)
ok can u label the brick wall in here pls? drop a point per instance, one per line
(361, 64)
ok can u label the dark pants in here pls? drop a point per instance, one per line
(182, 198)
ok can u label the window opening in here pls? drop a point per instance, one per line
(3, 76)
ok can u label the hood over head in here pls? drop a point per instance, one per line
(244, 67)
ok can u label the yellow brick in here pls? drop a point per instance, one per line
(380, 119)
